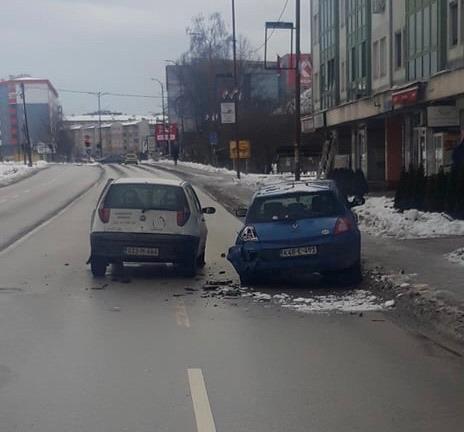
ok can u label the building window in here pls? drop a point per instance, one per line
(375, 60)
(316, 28)
(343, 77)
(398, 50)
(454, 26)
(343, 13)
(353, 64)
(363, 60)
(383, 57)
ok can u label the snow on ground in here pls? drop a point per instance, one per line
(456, 257)
(378, 217)
(352, 302)
(254, 181)
(14, 171)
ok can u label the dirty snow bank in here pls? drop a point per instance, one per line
(456, 257)
(14, 171)
(378, 217)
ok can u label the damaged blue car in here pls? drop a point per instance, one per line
(298, 227)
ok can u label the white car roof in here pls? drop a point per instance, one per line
(147, 180)
(295, 187)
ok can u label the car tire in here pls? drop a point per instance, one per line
(190, 267)
(352, 275)
(98, 266)
(201, 261)
(247, 280)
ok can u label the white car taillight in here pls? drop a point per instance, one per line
(104, 214)
(343, 225)
(248, 234)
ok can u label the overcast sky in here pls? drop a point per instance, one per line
(117, 45)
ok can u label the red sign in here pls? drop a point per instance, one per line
(306, 69)
(166, 132)
(406, 97)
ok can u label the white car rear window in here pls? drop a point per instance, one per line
(146, 196)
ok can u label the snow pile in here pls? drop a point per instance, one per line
(380, 218)
(456, 257)
(14, 171)
(254, 181)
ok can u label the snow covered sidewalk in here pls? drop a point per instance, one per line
(378, 217)
(11, 172)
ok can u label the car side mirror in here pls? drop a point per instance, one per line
(357, 201)
(241, 212)
(208, 210)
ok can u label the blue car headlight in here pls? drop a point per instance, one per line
(248, 234)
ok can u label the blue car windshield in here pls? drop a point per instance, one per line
(295, 206)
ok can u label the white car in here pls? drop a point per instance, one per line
(148, 220)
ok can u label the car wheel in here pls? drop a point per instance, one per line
(201, 261)
(98, 266)
(190, 267)
(352, 275)
(247, 280)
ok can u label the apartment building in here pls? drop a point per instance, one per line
(387, 87)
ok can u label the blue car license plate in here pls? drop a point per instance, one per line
(298, 252)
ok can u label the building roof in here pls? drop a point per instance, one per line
(147, 180)
(111, 118)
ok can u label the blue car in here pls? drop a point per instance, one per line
(298, 227)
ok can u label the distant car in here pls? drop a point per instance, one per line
(303, 226)
(131, 159)
(148, 220)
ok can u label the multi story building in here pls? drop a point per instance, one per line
(43, 112)
(120, 133)
(117, 138)
(387, 85)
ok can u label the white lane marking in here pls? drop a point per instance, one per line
(27, 191)
(182, 317)
(29, 234)
(201, 406)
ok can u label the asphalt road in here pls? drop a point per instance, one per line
(141, 353)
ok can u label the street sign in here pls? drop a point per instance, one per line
(166, 132)
(213, 139)
(245, 149)
(228, 113)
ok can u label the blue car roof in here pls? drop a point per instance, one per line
(301, 186)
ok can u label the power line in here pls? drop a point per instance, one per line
(109, 94)
(273, 30)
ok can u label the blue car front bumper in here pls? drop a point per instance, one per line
(333, 254)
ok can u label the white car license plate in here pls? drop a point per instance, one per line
(138, 251)
(298, 252)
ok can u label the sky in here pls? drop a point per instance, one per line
(119, 45)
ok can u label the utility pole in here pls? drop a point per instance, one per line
(298, 91)
(100, 141)
(236, 91)
(26, 127)
(163, 107)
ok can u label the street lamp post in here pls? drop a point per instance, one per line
(163, 107)
(26, 127)
(236, 92)
(298, 91)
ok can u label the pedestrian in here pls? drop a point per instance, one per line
(175, 152)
